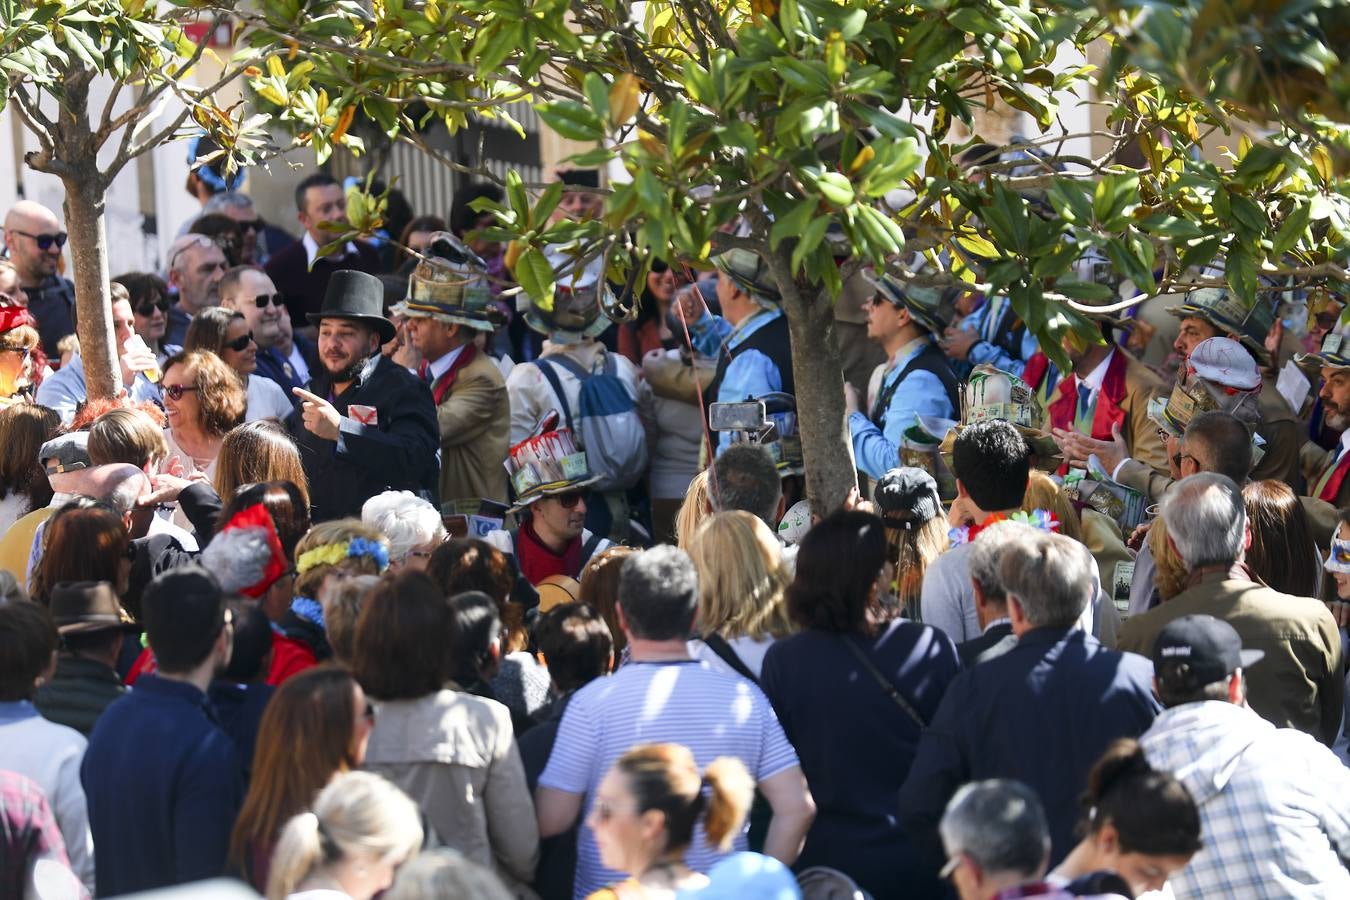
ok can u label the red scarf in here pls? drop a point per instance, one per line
(447, 379)
(537, 561)
(1333, 485)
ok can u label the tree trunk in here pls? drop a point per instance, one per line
(93, 303)
(817, 368)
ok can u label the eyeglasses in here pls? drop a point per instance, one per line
(240, 344)
(24, 352)
(262, 301)
(45, 241)
(193, 240)
(147, 309)
(953, 863)
(254, 225)
(571, 499)
(175, 392)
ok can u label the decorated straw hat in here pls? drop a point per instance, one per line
(546, 465)
(450, 284)
(748, 271)
(1248, 319)
(580, 295)
(1218, 375)
(1335, 353)
(991, 393)
(924, 303)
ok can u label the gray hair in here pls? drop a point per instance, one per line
(1206, 520)
(985, 553)
(658, 593)
(1050, 575)
(1000, 824)
(238, 558)
(747, 479)
(227, 200)
(444, 872)
(405, 519)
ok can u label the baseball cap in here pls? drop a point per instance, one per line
(1194, 651)
(907, 497)
(1223, 361)
(65, 453)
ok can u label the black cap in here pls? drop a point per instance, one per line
(580, 177)
(907, 497)
(1194, 651)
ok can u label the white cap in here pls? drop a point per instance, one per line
(1224, 361)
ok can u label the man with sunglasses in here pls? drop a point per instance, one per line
(249, 291)
(196, 265)
(34, 238)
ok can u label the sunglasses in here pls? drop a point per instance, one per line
(240, 344)
(45, 241)
(175, 392)
(262, 301)
(147, 309)
(24, 352)
(570, 500)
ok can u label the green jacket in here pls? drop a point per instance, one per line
(78, 693)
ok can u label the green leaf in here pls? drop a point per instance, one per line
(572, 120)
(1089, 291)
(536, 277)
(1240, 269)
(548, 202)
(515, 195)
(597, 92)
(793, 223)
(834, 187)
(1293, 229)
(811, 237)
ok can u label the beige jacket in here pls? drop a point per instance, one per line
(455, 756)
(475, 426)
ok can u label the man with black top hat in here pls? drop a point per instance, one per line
(1272, 800)
(750, 340)
(917, 380)
(93, 626)
(366, 424)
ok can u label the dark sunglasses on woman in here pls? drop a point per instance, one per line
(240, 344)
(175, 392)
(147, 309)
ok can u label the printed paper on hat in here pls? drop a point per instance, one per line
(1293, 386)
(366, 415)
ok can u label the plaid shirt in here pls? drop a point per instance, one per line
(28, 833)
(1274, 814)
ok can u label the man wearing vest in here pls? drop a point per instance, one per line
(572, 358)
(749, 340)
(1327, 470)
(992, 335)
(448, 303)
(916, 381)
(551, 480)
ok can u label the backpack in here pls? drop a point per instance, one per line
(608, 425)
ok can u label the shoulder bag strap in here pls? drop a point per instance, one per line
(545, 367)
(886, 684)
(718, 644)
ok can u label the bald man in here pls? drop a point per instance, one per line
(35, 237)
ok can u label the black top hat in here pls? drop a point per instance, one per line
(1197, 650)
(81, 607)
(357, 296)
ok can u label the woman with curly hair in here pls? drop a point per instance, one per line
(203, 399)
(330, 553)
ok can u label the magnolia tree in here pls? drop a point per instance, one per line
(772, 125)
(51, 53)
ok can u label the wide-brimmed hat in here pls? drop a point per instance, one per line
(546, 465)
(84, 607)
(357, 296)
(1334, 354)
(580, 294)
(450, 284)
(1218, 375)
(924, 303)
(991, 393)
(1249, 320)
(748, 270)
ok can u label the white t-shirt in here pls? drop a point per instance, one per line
(266, 400)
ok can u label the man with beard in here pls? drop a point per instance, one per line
(1326, 469)
(196, 265)
(367, 425)
(34, 237)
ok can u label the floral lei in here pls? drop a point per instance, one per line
(332, 554)
(1042, 519)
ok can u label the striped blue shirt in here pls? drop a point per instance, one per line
(684, 702)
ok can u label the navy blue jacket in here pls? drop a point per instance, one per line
(163, 786)
(1042, 714)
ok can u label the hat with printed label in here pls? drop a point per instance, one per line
(546, 465)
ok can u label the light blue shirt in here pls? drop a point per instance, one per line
(983, 321)
(876, 451)
(65, 390)
(750, 374)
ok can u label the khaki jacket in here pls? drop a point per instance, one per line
(1300, 683)
(1284, 436)
(455, 756)
(475, 426)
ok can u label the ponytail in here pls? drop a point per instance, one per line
(1151, 811)
(299, 851)
(731, 791)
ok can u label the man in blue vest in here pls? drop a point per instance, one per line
(749, 340)
(916, 379)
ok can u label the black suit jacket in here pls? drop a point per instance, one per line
(401, 451)
(301, 287)
(997, 641)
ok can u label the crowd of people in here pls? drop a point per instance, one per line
(384, 578)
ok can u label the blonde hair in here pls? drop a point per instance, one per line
(357, 813)
(692, 511)
(1044, 493)
(665, 777)
(341, 608)
(741, 577)
(1170, 572)
(338, 531)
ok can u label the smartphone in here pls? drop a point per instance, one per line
(747, 415)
